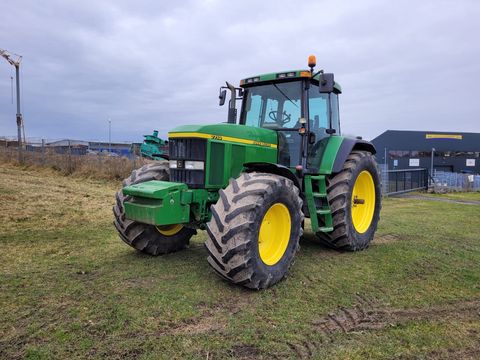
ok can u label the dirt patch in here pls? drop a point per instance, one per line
(210, 319)
(385, 239)
(422, 268)
(365, 315)
(148, 281)
(471, 353)
(243, 351)
(368, 315)
(302, 350)
(205, 324)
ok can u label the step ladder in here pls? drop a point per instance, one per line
(323, 213)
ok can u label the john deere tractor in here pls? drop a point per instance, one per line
(250, 183)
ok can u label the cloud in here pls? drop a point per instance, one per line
(151, 64)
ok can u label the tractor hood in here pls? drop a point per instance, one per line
(229, 133)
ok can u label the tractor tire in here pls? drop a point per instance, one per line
(255, 230)
(354, 219)
(147, 238)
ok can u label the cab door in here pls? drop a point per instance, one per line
(323, 115)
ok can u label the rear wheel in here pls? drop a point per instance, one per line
(354, 195)
(150, 239)
(255, 229)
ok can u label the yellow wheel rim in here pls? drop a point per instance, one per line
(274, 234)
(169, 230)
(363, 201)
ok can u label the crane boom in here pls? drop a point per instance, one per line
(9, 57)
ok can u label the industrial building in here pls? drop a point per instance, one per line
(122, 149)
(66, 146)
(71, 146)
(452, 151)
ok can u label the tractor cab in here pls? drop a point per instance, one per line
(301, 106)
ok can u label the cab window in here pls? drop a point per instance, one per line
(273, 106)
(320, 107)
(323, 114)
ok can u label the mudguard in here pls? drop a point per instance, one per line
(336, 150)
(346, 147)
(272, 169)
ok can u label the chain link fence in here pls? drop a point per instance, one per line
(449, 181)
(400, 181)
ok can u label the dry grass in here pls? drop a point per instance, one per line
(85, 166)
(58, 202)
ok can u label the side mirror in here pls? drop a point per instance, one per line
(326, 83)
(312, 138)
(222, 97)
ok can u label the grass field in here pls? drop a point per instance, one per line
(69, 288)
(469, 196)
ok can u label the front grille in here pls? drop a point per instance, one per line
(193, 178)
(188, 149)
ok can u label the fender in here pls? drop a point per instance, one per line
(346, 147)
(337, 150)
(272, 169)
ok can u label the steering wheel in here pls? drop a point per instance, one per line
(273, 115)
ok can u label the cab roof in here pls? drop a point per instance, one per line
(280, 76)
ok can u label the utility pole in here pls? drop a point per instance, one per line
(10, 58)
(431, 165)
(385, 173)
(109, 135)
(385, 159)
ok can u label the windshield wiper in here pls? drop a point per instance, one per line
(281, 92)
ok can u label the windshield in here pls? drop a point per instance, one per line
(273, 106)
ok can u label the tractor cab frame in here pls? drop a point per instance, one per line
(301, 114)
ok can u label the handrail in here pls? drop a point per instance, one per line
(406, 170)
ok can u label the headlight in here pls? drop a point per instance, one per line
(194, 165)
(186, 164)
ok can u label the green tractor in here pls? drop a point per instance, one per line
(250, 184)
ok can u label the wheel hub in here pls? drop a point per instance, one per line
(274, 234)
(363, 201)
(169, 230)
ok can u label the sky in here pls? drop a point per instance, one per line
(144, 65)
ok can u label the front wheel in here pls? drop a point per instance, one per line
(150, 239)
(255, 230)
(354, 196)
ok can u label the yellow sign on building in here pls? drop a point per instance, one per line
(444, 136)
